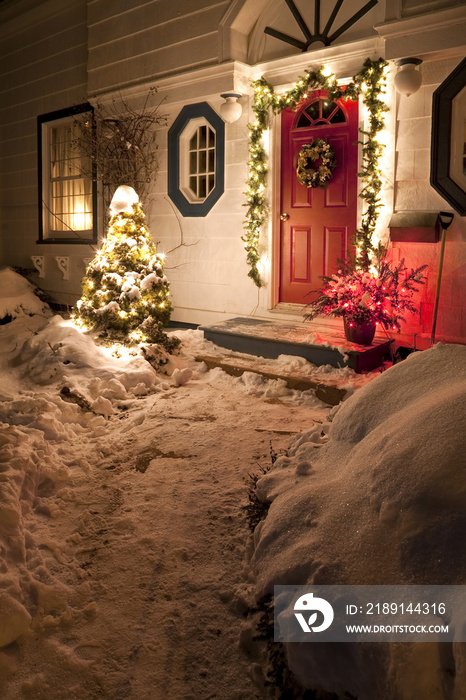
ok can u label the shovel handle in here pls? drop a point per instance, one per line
(439, 282)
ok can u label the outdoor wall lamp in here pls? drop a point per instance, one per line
(231, 109)
(408, 80)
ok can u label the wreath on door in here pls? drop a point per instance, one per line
(307, 174)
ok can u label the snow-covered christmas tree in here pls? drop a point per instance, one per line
(125, 294)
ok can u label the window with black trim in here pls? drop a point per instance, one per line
(67, 195)
(196, 159)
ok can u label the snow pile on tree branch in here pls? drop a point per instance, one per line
(381, 500)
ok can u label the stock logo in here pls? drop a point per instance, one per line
(308, 604)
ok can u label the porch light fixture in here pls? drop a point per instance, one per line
(408, 80)
(231, 109)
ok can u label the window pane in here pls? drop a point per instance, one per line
(192, 163)
(321, 112)
(71, 205)
(202, 194)
(303, 121)
(202, 161)
(202, 136)
(67, 187)
(338, 117)
(327, 108)
(66, 160)
(200, 175)
(313, 110)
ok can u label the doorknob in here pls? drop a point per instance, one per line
(284, 216)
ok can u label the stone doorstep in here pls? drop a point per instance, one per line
(327, 392)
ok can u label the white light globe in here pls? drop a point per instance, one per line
(123, 200)
(408, 80)
(231, 109)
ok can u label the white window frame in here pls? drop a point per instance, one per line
(186, 172)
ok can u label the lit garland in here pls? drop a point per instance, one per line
(371, 82)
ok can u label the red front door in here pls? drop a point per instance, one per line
(317, 224)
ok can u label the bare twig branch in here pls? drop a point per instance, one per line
(119, 145)
(182, 244)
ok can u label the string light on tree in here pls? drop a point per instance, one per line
(125, 293)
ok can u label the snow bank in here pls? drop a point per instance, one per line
(17, 296)
(57, 387)
(381, 500)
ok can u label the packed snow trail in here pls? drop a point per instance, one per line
(143, 550)
(124, 547)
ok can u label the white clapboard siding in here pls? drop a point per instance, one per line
(145, 40)
(43, 47)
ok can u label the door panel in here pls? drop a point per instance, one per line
(335, 247)
(301, 249)
(321, 221)
(301, 196)
(336, 192)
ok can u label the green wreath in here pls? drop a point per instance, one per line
(309, 153)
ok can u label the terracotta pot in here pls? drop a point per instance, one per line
(360, 333)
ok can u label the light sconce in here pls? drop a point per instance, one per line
(231, 109)
(408, 80)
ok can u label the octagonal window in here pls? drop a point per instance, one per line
(447, 170)
(196, 159)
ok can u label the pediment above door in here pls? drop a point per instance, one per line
(245, 23)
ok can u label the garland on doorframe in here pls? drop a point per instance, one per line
(371, 82)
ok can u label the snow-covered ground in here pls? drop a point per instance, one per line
(377, 496)
(126, 563)
(123, 537)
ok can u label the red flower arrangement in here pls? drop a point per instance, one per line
(361, 296)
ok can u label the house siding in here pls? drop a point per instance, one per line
(208, 273)
(137, 43)
(44, 68)
(56, 53)
(413, 192)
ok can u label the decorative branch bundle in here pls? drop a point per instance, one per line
(118, 145)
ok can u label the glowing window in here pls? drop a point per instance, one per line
(321, 112)
(68, 193)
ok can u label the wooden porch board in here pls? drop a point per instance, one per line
(326, 391)
(270, 339)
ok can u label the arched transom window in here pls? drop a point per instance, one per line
(319, 112)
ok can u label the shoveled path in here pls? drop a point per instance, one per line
(155, 566)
